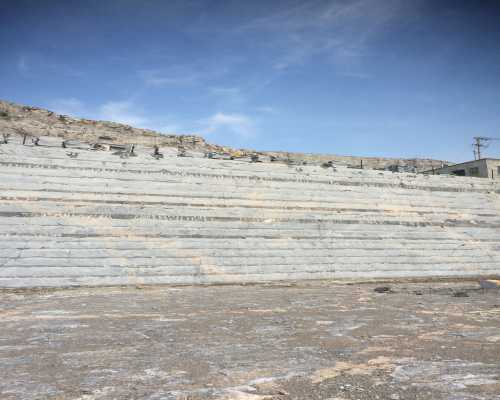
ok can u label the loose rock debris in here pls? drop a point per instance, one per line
(382, 289)
(489, 284)
(314, 341)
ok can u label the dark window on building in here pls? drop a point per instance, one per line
(474, 171)
(459, 172)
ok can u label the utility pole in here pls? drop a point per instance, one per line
(481, 141)
(477, 147)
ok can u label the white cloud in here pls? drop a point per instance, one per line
(266, 110)
(236, 124)
(124, 112)
(171, 76)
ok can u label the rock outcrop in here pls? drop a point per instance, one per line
(86, 217)
(34, 121)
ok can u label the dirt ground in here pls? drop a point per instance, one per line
(316, 341)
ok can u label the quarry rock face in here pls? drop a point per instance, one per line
(76, 216)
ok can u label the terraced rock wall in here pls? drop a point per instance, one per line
(98, 219)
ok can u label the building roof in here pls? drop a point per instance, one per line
(462, 163)
(468, 162)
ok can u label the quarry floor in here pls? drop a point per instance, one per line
(434, 341)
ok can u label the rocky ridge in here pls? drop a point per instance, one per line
(36, 122)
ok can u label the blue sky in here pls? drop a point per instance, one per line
(396, 78)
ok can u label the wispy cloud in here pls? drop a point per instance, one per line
(35, 64)
(178, 75)
(236, 124)
(22, 64)
(203, 70)
(124, 112)
(225, 91)
(228, 96)
(266, 110)
(339, 30)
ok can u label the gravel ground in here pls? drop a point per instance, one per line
(432, 341)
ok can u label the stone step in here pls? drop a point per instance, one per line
(236, 169)
(250, 191)
(16, 282)
(102, 220)
(113, 260)
(204, 218)
(212, 208)
(165, 176)
(7, 252)
(207, 270)
(252, 245)
(273, 231)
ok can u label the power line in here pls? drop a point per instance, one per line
(480, 142)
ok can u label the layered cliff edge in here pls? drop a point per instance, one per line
(35, 121)
(81, 217)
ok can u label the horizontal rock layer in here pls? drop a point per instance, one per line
(98, 219)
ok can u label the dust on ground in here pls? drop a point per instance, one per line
(313, 341)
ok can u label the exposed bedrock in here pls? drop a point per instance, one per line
(97, 219)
